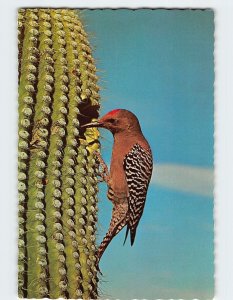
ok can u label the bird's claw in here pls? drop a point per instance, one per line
(104, 173)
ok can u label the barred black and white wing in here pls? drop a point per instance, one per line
(138, 165)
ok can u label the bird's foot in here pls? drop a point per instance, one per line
(103, 172)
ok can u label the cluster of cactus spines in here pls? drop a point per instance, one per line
(58, 92)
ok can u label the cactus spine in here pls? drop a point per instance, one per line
(57, 168)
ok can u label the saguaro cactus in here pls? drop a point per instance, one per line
(58, 92)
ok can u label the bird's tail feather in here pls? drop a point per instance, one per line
(132, 236)
(126, 234)
(109, 236)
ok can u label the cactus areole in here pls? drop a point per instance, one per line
(57, 181)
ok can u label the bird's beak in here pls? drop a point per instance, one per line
(92, 124)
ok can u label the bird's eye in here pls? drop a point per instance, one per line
(112, 121)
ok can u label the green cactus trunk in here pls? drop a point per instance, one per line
(58, 93)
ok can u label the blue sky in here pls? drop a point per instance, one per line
(159, 64)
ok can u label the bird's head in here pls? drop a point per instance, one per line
(117, 120)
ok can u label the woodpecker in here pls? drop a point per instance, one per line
(129, 175)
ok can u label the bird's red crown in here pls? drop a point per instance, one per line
(113, 112)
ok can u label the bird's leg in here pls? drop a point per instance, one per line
(104, 173)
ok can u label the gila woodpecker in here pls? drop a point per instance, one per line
(130, 173)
